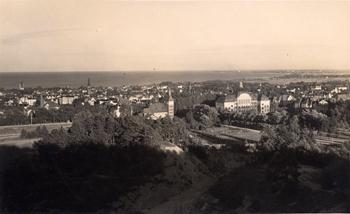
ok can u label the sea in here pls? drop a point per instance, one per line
(10, 80)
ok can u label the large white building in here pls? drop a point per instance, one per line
(243, 101)
(27, 100)
(67, 100)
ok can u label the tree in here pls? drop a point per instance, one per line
(204, 115)
(193, 124)
(314, 120)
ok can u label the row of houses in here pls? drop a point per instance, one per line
(243, 101)
(60, 100)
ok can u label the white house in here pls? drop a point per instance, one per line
(67, 100)
(27, 100)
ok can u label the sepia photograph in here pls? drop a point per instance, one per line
(174, 106)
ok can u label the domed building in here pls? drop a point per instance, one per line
(243, 101)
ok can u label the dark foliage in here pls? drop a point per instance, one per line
(80, 177)
(96, 162)
(201, 117)
(38, 132)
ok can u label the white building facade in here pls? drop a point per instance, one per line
(243, 101)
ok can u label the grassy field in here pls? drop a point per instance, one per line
(17, 141)
(234, 133)
(8, 130)
(10, 135)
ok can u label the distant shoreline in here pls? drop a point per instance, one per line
(10, 80)
(183, 71)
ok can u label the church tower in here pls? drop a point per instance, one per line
(170, 105)
(42, 101)
(240, 84)
(88, 86)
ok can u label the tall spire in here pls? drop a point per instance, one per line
(42, 101)
(170, 104)
(240, 84)
(170, 97)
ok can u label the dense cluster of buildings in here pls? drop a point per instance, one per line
(153, 101)
(161, 110)
(157, 101)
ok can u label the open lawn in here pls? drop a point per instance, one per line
(10, 135)
(234, 133)
(17, 141)
(16, 129)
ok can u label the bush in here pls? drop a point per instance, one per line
(37, 133)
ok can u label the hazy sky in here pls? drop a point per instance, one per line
(43, 35)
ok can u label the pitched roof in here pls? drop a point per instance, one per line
(156, 107)
(227, 98)
(262, 97)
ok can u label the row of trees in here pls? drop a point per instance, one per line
(94, 163)
(186, 102)
(337, 116)
(37, 133)
(286, 146)
(18, 116)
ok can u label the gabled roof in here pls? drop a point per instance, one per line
(156, 107)
(227, 98)
(263, 97)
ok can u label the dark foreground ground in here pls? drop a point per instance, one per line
(195, 181)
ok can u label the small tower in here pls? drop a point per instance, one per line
(89, 87)
(170, 105)
(21, 86)
(42, 101)
(240, 84)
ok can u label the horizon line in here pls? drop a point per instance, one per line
(165, 71)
